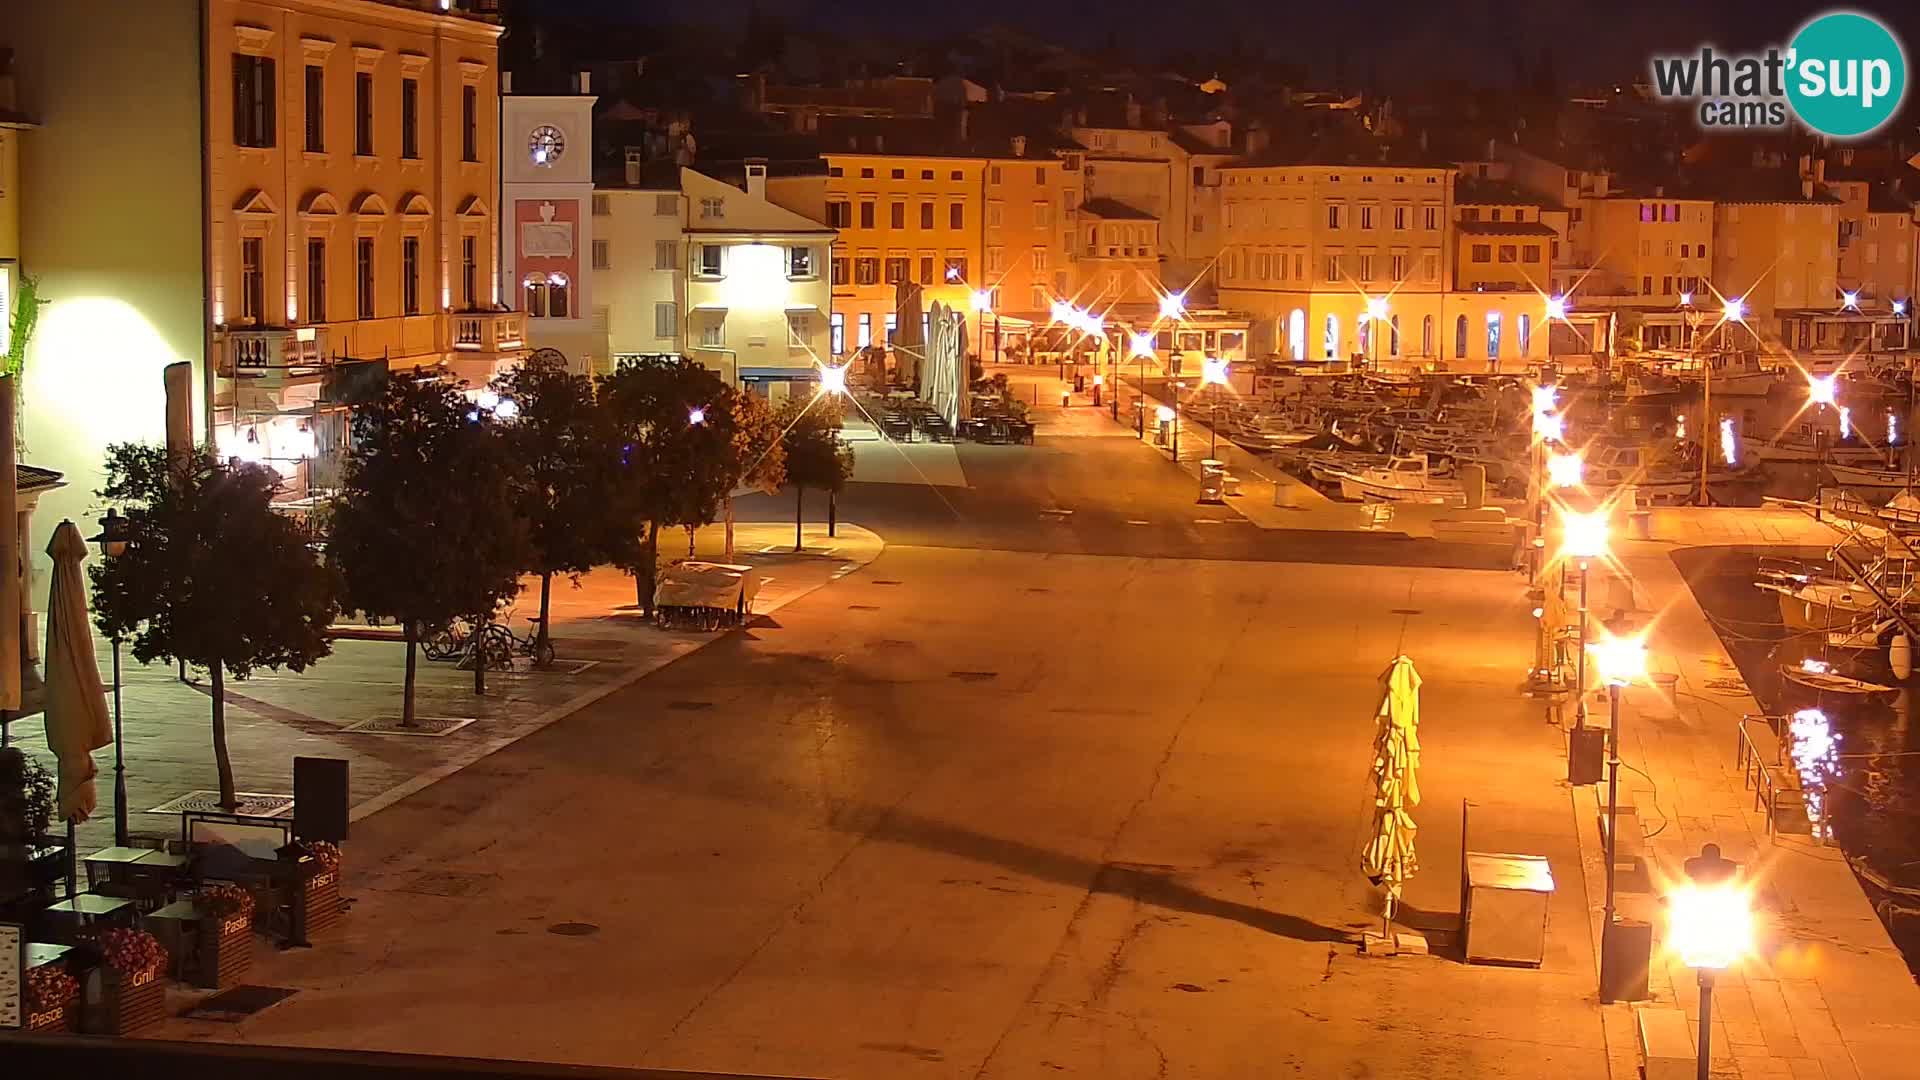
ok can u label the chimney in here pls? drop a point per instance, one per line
(1019, 146)
(583, 82)
(1806, 187)
(757, 177)
(1820, 171)
(633, 166)
(963, 123)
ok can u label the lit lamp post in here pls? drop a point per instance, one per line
(1173, 386)
(1620, 661)
(833, 383)
(1547, 427)
(1213, 372)
(1377, 316)
(1711, 926)
(1822, 391)
(1141, 345)
(982, 302)
(1583, 537)
(113, 544)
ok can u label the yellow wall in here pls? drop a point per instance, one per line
(1031, 238)
(324, 194)
(1777, 255)
(1643, 259)
(9, 194)
(1885, 259)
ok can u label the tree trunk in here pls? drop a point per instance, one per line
(799, 506)
(546, 607)
(221, 762)
(728, 503)
(833, 512)
(689, 541)
(406, 687)
(650, 563)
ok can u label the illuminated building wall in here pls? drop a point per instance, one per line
(641, 284)
(1028, 254)
(1117, 254)
(1647, 250)
(110, 227)
(1778, 255)
(546, 182)
(1876, 244)
(756, 284)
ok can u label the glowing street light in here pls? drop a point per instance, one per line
(1377, 308)
(1583, 536)
(1141, 345)
(1062, 312)
(1619, 662)
(1173, 306)
(1163, 414)
(1565, 470)
(1733, 309)
(1899, 307)
(833, 380)
(1822, 390)
(507, 409)
(982, 300)
(1686, 299)
(1213, 371)
(696, 416)
(1549, 427)
(1850, 300)
(1710, 924)
(1557, 307)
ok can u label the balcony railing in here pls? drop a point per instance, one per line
(274, 353)
(489, 331)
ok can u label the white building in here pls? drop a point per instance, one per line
(546, 187)
(757, 296)
(640, 253)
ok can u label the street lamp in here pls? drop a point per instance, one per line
(833, 380)
(1565, 470)
(113, 544)
(1710, 924)
(1213, 372)
(1557, 308)
(1377, 315)
(696, 416)
(1141, 346)
(1174, 387)
(1583, 537)
(1173, 306)
(982, 302)
(1620, 661)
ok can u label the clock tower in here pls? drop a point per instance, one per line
(546, 190)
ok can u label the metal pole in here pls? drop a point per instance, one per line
(1213, 434)
(1176, 418)
(1613, 827)
(1706, 1023)
(119, 758)
(1580, 684)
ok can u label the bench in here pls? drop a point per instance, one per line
(1666, 1044)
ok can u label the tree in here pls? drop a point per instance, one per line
(816, 458)
(558, 438)
(758, 456)
(211, 575)
(673, 428)
(425, 529)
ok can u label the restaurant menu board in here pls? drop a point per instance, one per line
(13, 946)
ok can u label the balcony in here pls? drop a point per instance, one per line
(273, 355)
(489, 331)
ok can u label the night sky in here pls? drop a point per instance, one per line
(1474, 40)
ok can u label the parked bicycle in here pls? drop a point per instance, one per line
(494, 642)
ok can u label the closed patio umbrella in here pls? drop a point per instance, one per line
(76, 702)
(1389, 859)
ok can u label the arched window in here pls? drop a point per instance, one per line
(547, 295)
(1493, 335)
(1333, 337)
(1526, 334)
(1393, 338)
(1426, 336)
(1460, 338)
(1297, 334)
(1363, 335)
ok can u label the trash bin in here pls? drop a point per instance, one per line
(1079, 383)
(1507, 900)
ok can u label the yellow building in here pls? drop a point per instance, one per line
(999, 225)
(1777, 252)
(1119, 256)
(1647, 251)
(1876, 241)
(267, 190)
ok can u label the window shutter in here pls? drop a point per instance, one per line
(242, 96)
(269, 102)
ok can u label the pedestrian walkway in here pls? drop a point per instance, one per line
(348, 704)
(1826, 994)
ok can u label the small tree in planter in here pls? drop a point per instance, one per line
(558, 440)
(815, 456)
(211, 575)
(425, 530)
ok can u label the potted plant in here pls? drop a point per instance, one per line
(26, 812)
(53, 999)
(223, 949)
(313, 904)
(131, 993)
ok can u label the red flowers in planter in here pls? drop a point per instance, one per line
(49, 987)
(132, 953)
(224, 902)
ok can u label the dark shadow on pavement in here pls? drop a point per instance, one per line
(1150, 885)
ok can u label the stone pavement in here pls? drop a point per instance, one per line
(1826, 993)
(601, 645)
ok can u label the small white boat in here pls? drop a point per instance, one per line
(1800, 450)
(1815, 675)
(1856, 476)
(1402, 479)
(1820, 603)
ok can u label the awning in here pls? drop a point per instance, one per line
(780, 374)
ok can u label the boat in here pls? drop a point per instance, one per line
(1818, 676)
(1819, 603)
(1734, 374)
(1858, 476)
(1802, 449)
(1408, 478)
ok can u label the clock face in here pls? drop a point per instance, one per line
(545, 145)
